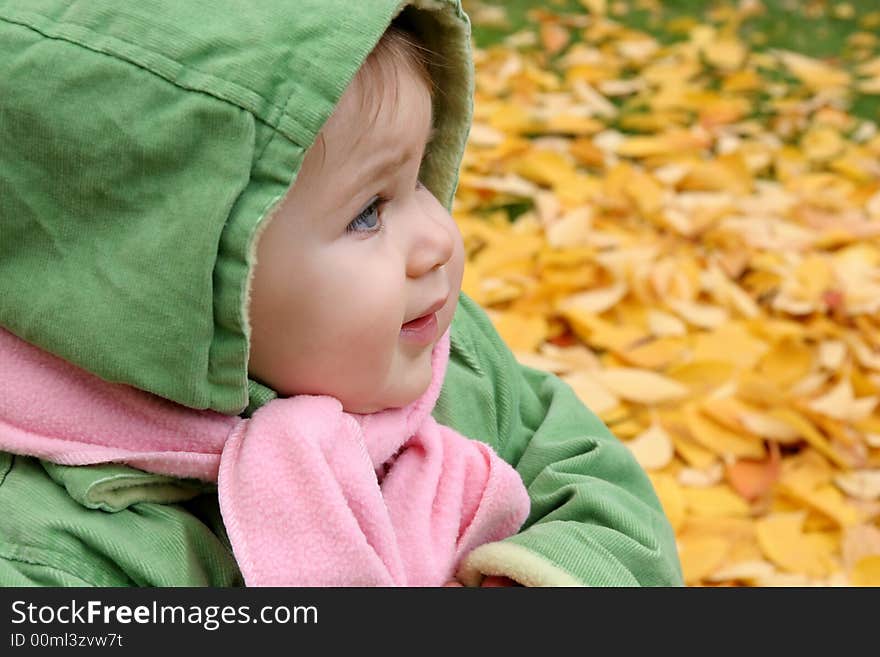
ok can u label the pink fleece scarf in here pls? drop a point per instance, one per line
(310, 495)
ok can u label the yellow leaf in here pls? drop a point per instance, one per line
(576, 356)
(749, 572)
(782, 540)
(733, 529)
(821, 143)
(543, 167)
(809, 433)
(714, 501)
(568, 123)
(471, 284)
(586, 152)
(815, 74)
(702, 376)
(646, 193)
(727, 54)
(512, 118)
(863, 484)
(757, 389)
(769, 427)
(866, 572)
(694, 478)
(700, 556)
(538, 362)
(628, 428)
(832, 354)
(840, 403)
(591, 392)
(497, 290)
(731, 342)
(594, 302)
(520, 332)
(656, 120)
(726, 173)
(699, 314)
(692, 452)
(655, 354)
(663, 324)
(720, 440)
(599, 333)
(788, 361)
(727, 292)
(652, 448)
(576, 189)
(642, 386)
(744, 80)
(859, 541)
(825, 499)
(789, 163)
(671, 498)
(677, 141)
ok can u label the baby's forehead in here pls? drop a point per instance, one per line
(384, 98)
(379, 110)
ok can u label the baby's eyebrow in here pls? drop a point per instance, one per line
(389, 166)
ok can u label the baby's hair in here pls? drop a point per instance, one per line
(397, 46)
(398, 49)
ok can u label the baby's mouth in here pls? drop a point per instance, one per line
(419, 322)
(421, 331)
(435, 307)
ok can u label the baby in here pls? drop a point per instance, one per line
(358, 271)
(250, 361)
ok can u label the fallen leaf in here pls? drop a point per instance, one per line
(641, 386)
(752, 479)
(700, 556)
(782, 540)
(652, 448)
(694, 478)
(866, 572)
(861, 484)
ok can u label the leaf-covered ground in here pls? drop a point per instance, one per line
(678, 210)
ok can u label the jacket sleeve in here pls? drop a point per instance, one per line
(595, 519)
(15, 573)
(53, 534)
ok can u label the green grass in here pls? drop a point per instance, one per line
(816, 28)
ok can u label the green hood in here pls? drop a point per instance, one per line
(143, 143)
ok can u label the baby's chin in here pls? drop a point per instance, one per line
(397, 397)
(365, 407)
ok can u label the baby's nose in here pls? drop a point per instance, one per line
(433, 241)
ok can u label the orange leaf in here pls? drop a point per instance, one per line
(753, 479)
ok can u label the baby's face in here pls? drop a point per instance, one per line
(358, 271)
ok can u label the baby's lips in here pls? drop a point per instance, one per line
(430, 310)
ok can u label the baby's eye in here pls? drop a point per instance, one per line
(367, 220)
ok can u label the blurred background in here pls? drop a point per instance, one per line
(675, 206)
